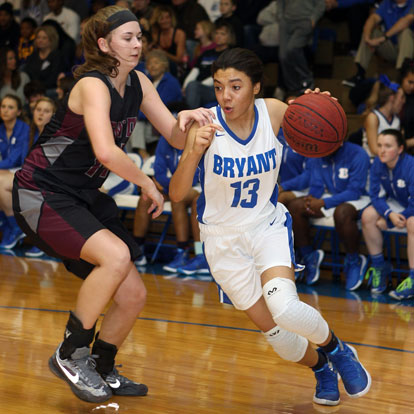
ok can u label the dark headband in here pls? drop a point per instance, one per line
(121, 17)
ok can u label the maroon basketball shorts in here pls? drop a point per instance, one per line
(60, 223)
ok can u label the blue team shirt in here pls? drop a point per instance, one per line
(342, 174)
(14, 150)
(398, 184)
(390, 13)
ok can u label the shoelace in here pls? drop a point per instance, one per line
(405, 285)
(348, 369)
(326, 379)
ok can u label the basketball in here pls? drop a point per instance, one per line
(314, 125)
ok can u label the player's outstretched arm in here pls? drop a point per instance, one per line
(174, 130)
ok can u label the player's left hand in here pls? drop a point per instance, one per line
(186, 118)
(317, 91)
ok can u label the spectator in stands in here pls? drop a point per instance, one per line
(169, 90)
(9, 28)
(96, 5)
(268, 46)
(354, 12)
(294, 176)
(64, 85)
(66, 46)
(143, 9)
(383, 106)
(407, 113)
(228, 14)
(203, 33)
(387, 32)
(337, 189)
(45, 63)
(165, 164)
(35, 9)
(12, 80)
(212, 7)
(80, 7)
(248, 10)
(32, 92)
(14, 137)
(67, 18)
(198, 85)
(297, 20)
(189, 13)
(392, 197)
(26, 40)
(168, 37)
(79, 58)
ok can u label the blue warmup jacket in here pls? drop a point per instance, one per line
(14, 150)
(300, 181)
(398, 184)
(292, 164)
(169, 89)
(342, 174)
(166, 162)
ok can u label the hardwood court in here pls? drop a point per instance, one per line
(196, 355)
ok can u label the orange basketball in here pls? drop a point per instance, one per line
(314, 125)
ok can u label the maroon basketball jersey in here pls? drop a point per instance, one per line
(63, 159)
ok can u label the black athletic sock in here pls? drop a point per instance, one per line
(106, 353)
(333, 343)
(322, 360)
(75, 336)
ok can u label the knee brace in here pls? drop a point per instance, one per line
(288, 345)
(291, 314)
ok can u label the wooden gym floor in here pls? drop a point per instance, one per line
(196, 355)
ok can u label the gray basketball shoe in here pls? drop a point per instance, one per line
(79, 372)
(121, 385)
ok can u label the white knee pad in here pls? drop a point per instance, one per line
(291, 314)
(287, 345)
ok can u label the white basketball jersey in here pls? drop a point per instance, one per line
(383, 124)
(239, 177)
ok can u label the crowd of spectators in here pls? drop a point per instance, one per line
(41, 43)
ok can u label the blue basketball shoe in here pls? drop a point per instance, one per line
(312, 262)
(179, 261)
(378, 277)
(327, 392)
(198, 264)
(355, 271)
(355, 377)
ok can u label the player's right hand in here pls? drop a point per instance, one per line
(150, 192)
(204, 137)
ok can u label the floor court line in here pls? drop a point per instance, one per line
(204, 325)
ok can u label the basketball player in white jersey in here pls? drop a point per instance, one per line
(247, 235)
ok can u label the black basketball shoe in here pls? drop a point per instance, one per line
(121, 385)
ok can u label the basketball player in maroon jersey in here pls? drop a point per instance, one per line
(57, 201)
